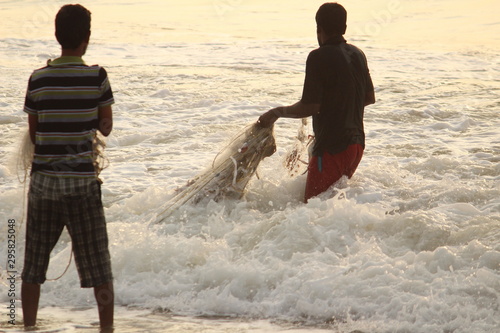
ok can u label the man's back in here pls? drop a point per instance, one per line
(66, 96)
(338, 78)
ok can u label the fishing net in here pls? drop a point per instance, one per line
(230, 172)
(100, 160)
(296, 160)
(27, 148)
(24, 157)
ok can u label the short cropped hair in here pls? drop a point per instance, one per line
(332, 18)
(72, 26)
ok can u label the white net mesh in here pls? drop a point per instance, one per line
(230, 171)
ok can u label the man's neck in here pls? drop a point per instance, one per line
(70, 53)
(329, 39)
(78, 52)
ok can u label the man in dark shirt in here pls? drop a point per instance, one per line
(337, 87)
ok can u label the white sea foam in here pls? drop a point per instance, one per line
(409, 244)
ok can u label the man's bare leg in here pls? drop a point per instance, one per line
(30, 295)
(105, 298)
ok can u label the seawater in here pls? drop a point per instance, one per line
(409, 244)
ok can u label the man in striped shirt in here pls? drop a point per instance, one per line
(67, 102)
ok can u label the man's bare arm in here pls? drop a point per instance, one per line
(105, 120)
(33, 124)
(297, 110)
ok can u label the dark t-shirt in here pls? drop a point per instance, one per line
(337, 77)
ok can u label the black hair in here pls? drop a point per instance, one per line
(72, 26)
(332, 18)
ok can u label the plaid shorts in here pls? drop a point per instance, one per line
(75, 203)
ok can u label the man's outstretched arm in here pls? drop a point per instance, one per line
(297, 110)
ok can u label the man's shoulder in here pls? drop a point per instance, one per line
(315, 54)
(315, 51)
(354, 48)
(40, 70)
(100, 70)
(49, 71)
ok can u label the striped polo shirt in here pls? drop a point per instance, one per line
(65, 96)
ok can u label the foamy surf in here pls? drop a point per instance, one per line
(409, 244)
